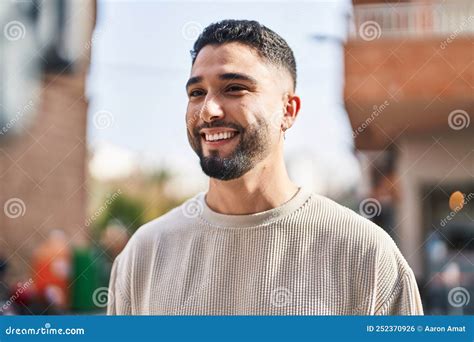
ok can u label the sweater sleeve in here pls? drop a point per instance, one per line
(405, 298)
(397, 290)
(118, 302)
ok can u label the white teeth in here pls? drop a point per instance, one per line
(219, 136)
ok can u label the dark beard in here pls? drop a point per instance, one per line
(251, 149)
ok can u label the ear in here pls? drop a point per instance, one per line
(292, 108)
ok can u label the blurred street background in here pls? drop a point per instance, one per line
(93, 139)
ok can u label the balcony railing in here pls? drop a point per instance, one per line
(413, 20)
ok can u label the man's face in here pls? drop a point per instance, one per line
(235, 109)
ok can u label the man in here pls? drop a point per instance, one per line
(255, 243)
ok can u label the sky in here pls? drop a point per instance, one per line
(141, 62)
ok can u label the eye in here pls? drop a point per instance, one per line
(235, 88)
(196, 92)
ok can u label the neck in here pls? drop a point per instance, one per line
(265, 187)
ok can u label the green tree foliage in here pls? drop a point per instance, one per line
(124, 210)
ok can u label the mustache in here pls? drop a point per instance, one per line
(218, 123)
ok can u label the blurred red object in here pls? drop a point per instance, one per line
(52, 265)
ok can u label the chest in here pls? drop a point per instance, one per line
(238, 276)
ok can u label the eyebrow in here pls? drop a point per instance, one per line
(225, 77)
(237, 76)
(193, 80)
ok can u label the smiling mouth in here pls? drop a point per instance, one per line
(218, 136)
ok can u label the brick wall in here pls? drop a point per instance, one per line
(45, 167)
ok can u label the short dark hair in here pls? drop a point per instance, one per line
(266, 42)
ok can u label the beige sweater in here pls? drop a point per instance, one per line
(311, 256)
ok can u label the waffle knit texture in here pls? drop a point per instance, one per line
(310, 256)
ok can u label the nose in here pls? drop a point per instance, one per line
(211, 110)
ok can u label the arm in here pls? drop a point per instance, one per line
(119, 302)
(404, 299)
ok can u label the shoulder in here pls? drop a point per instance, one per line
(343, 222)
(353, 232)
(362, 244)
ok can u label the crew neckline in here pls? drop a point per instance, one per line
(252, 220)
